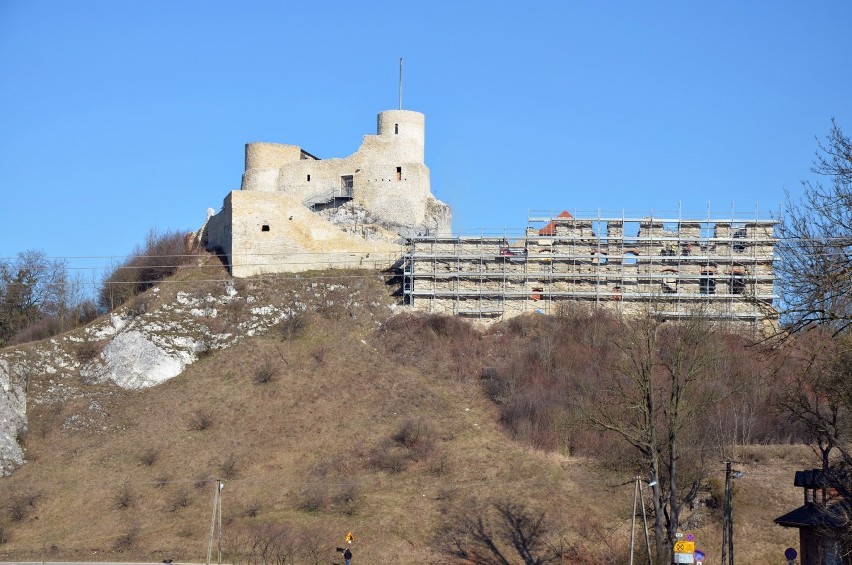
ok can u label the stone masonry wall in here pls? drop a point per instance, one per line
(723, 268)
(270, 226)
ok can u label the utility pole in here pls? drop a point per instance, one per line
(216, 524)
(638, 494)
(728, 528)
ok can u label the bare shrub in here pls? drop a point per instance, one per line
(44, 328)
(252, 509)
(161, 256)
(20, 505)
(265, 543)
(88, 351)
(240, 285)
(292, 326)
(431, 341)
(124, 498)
(126, 540)
(202, 479)
(544, 366)
(438, 464)
(228, 467)
(179, 499)
(313, 497)
(265, 373)
(346, 498)
(149, 456)
(39, 299)
(235, 309)
(21, 434)
(200, 420)
(187, 531)
(319, 354)
(416, 437)
(389, 457)
(313, 545)
(138, 305)
(716, 486)
(161, 480)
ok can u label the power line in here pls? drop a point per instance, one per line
(776, 239)
(96, 485)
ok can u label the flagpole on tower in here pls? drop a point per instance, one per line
(400, 83)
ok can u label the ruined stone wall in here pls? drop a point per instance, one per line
(272, 233)
(217, 232)
(722, 268)
(388, 173)
(385, 181)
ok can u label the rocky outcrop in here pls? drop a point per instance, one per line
(146, 343)
(13, 417)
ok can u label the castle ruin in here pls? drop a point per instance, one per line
(296, 212)
(374, 209)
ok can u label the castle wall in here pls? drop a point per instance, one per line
(270, 225)
(387, 175)
(218, 231)
(261, 155)
(724, 269)
(271, 233)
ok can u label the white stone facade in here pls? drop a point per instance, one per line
(296, 212)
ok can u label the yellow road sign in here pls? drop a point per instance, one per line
(683, 546)
(349, 537)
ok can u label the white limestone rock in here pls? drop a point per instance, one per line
(13, 418)
(133, 361)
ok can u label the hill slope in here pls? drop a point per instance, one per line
(319, 422)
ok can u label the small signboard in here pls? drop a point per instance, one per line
(790, 554)
(684, 558)
(699, 556)
(682, 546)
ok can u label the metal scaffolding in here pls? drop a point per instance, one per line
(722, 266)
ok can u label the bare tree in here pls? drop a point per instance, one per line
(501, 534)
(815, 273)
(31, 287)
(820, 391)
(816, 241)
(654, 399)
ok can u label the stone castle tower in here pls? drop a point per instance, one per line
(296, 212)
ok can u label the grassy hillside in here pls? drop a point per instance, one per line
(328, 424)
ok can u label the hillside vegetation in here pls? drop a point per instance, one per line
(419, 434)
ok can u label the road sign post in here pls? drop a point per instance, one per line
(684, 549)
(791, 555)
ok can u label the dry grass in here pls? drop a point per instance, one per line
(299, 454)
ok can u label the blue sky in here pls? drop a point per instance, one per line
(119, 117)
